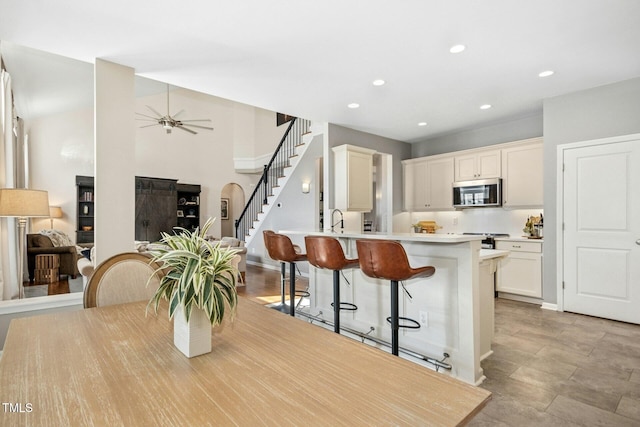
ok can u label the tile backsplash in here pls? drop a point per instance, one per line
(478, 220)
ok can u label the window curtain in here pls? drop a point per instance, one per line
(8, 232)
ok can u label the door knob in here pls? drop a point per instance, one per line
(638, 242)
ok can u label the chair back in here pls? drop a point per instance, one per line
(326, 252)
(266, 234)
(281, 248)
(121, 279)
(387, 259)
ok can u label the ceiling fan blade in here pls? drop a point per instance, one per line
(186, 130)
(151, 117)
(197, 126)
(177, 114)
(154, 111)
(196, 120)
(148, 120)
(146, 126)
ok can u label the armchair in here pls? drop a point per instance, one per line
(38, 244)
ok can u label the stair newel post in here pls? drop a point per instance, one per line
(265, 175)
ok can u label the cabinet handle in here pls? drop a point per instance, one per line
(515, 246)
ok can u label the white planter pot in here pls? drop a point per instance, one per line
(193, 338)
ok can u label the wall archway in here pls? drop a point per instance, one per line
(234, 194)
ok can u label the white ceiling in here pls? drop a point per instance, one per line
(311, 59)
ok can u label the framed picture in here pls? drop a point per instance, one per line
(283, 118)
(180, 214)
(224, 208)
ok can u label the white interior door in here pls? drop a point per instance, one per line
(602, 230)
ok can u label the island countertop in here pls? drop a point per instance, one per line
(412, 237)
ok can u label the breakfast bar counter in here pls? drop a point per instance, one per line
(447, 305)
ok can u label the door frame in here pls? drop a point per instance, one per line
(560, 201)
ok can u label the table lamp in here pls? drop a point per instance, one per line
(54, 212)
(22, 204)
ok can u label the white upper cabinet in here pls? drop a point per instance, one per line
(522, 175)
(478, 165)
(428, 183)
(353, 172)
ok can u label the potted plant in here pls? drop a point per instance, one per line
(200, 285)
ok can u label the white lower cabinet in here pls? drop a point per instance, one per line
(521, 272)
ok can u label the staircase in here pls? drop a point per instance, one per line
(274, 177)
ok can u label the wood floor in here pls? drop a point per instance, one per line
(548, 368)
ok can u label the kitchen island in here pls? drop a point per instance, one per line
(447, 305)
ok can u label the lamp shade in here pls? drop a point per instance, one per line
(23, 203)
(55, 212)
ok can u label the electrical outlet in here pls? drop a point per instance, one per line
(424, 319)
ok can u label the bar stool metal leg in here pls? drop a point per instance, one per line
(292, 289)
(394, 317)
(283, 278)
(336, 301)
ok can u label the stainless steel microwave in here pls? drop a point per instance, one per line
(477, 193)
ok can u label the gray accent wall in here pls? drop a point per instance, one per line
(338, 135)
(600, 112)
(497, 133)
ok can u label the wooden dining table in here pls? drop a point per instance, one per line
(117, 366)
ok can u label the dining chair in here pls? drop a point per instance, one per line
(123, 278)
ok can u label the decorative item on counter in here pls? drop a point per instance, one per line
(533, 227)
(416, 228)
(429, 227)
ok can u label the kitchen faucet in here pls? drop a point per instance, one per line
(334, 223)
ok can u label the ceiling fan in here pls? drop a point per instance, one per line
(168, 122)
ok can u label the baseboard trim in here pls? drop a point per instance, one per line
(549, 306)
(520, 298)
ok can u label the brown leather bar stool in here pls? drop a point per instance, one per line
(387, 259)
(326, 252)
(281, 249)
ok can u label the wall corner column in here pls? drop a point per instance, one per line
(114, 159)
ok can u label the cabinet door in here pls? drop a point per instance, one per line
(478, 165)
(360, 182)
(416, 188)
(521, 273)
(465, 167)
(439, 183)
(522, 169)
(488, 164)
(156, 207)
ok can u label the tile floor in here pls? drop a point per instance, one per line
(561, 369)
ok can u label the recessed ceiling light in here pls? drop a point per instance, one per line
(546, 73)
(485, 106)
(422, 124)
(378, 82)
(353, 105)
(457, 48)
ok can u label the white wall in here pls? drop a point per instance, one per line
(297, 210)
(62, 147)
(114, 201)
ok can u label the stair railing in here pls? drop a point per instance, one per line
(269, 179)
